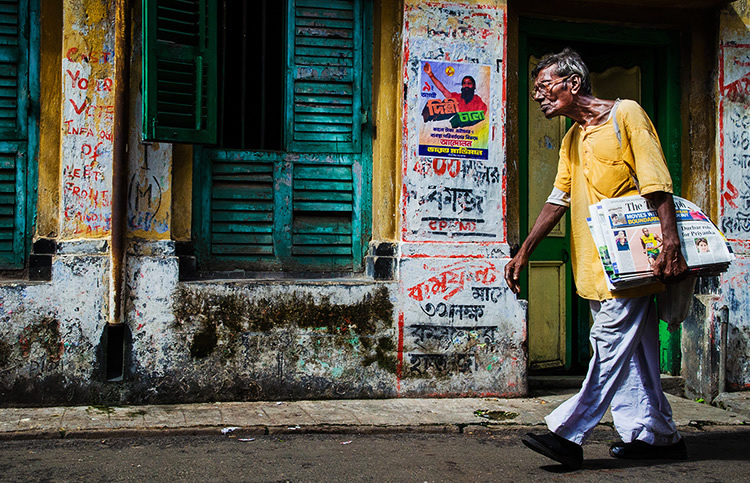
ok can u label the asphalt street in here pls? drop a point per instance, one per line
(717, 453)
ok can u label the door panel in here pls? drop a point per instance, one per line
(551, 290)
(549, 272)
(617, 82)
(545, 137)
(547, 283)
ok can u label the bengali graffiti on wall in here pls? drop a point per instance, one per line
(735, 141)
(459, 326)
(88, 115)
(734, 187)
(459, 319)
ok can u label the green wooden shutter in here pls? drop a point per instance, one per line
(14, 136)
(326, 94)
(306, 208)
(325, 65)
(325, 225)
(242, 207)
(12, 205)
(180, 69)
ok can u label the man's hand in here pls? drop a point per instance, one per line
(669, 266)
(513, 272)
(428, 69)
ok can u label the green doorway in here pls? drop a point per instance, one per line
(639, 64)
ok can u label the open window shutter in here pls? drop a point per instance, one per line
(325, 65)
(180, 71)
(14, 94)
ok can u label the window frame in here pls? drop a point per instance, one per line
(283, 170)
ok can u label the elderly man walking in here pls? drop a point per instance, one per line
(612, 150)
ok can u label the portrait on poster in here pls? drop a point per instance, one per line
(454, 114)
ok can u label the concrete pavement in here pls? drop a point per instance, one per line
(342, 416)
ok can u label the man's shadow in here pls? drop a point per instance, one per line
(711, 445)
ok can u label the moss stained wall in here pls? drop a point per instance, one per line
(50, 350)
(251, 341)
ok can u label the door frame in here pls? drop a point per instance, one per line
(666, 116)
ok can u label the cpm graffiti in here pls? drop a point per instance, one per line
(148, 190)
(144, 203)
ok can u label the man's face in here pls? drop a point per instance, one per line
(645, 231)
(467, 88)
(551, 92)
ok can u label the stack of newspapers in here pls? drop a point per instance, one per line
(627, 234)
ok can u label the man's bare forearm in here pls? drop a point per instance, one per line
(545, 222)
(550, 216)
(664, 204)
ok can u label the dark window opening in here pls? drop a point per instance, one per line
(251, 74)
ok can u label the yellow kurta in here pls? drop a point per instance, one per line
(593, 166)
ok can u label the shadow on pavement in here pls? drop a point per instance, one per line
(707, 446)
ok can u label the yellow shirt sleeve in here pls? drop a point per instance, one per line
(641, 149)
(562, 179)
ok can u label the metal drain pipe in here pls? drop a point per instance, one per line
(120, 159)
(723, 329)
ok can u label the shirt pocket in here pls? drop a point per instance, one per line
(607, 172)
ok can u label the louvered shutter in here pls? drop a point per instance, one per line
(325, 56)
(325, 222)
(301, 209)
(12, 204)
(242, 208)
(179, 52)
(327, 116)
(14, 121)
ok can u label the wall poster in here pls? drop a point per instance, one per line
(454, 120)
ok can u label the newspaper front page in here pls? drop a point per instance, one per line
(627, 233)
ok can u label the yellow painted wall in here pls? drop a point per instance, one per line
(387, 91)
(182, 191)
(149, 167)
(48, 203)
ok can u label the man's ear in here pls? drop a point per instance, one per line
(575, 83)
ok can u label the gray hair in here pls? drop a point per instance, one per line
(568, 62)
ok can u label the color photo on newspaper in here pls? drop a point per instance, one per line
(628, 235)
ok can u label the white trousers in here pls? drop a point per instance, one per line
(623, 372)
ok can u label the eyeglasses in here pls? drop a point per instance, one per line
(545, 87)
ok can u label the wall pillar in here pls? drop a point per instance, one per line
(459, 325)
